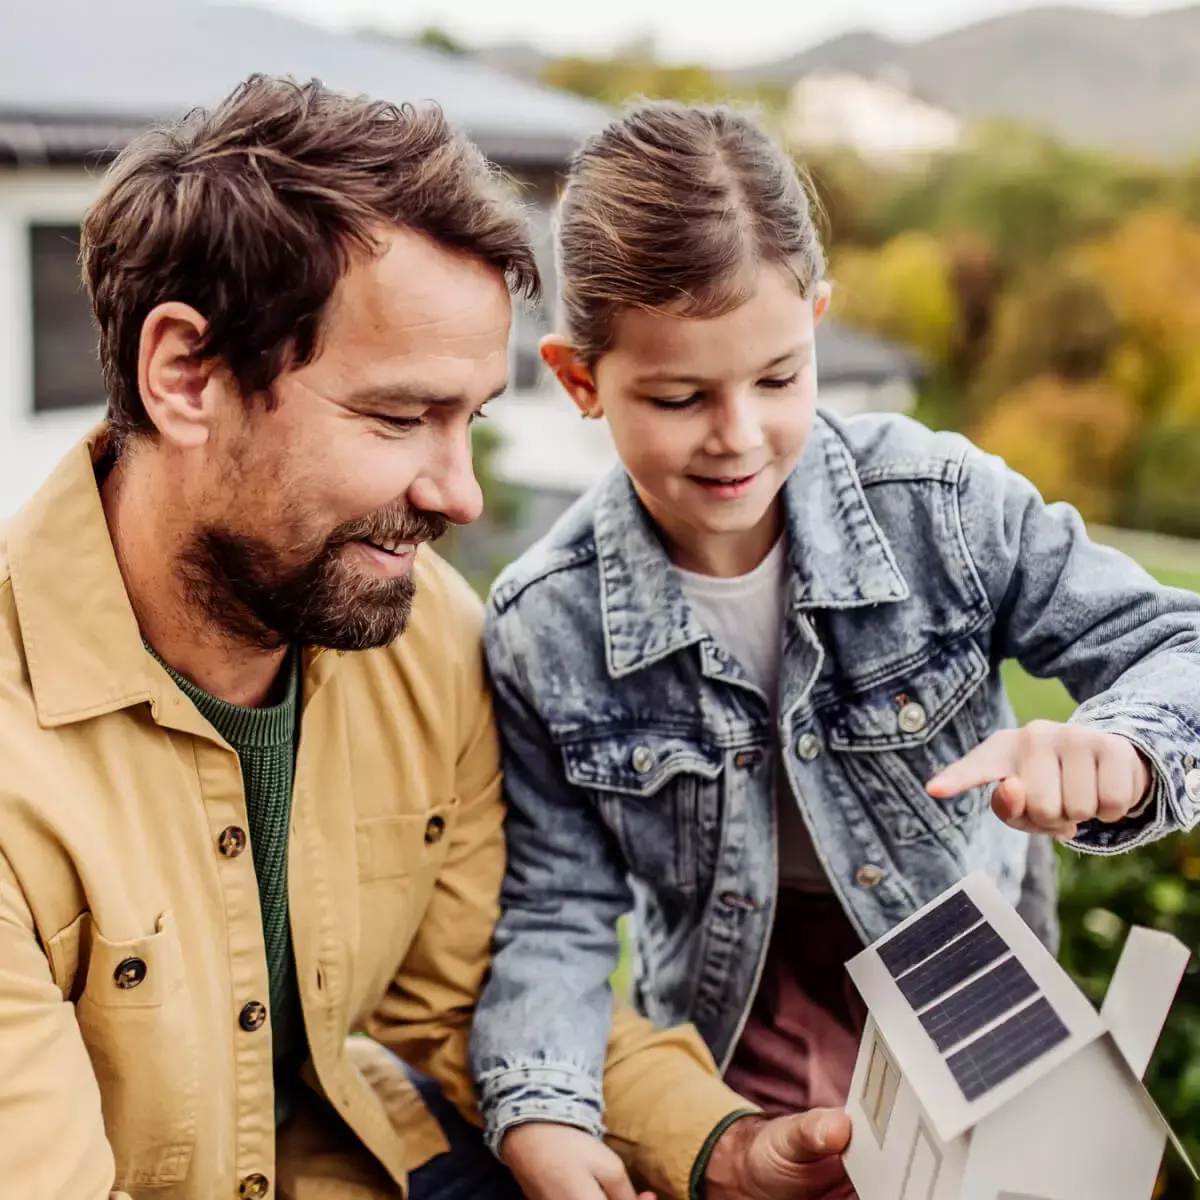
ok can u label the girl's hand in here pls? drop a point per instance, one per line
(1052, 776)
(559, 1162)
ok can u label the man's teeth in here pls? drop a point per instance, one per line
(393, 547)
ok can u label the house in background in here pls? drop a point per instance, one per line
(985, 1074)
(880, 119)
(78, 79)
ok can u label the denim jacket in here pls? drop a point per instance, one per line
(638, 756)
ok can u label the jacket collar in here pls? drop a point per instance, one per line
(82, 645)
(839, 556)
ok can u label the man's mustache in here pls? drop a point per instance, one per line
(394, 525)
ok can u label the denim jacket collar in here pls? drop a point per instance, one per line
(839, 557)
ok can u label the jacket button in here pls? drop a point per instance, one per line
(868, 875)
(434, 828)
(129, 973)
(231, 841)
(912, 717)
(253, 1016)
(642, 759)
(253, 1187)
(1191, 781)
(1188, 762)
(808, 746)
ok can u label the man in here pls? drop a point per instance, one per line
(243, 818)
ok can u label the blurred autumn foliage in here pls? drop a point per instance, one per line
(1054, 296)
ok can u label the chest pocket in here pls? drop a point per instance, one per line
(135, 1015)
(399, 857)
(660, 795)
(894, 735)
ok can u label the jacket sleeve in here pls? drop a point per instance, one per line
(52, 1143)
(546, 1045)
(1126, 648)
(425, 1015)
(545, 1016)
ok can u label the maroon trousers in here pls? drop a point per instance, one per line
(798, 1048)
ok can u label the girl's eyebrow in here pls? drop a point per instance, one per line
(674, 377)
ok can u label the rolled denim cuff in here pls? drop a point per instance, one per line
(1172, 749)
(557, 1093)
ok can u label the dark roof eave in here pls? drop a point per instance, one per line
(38, 141)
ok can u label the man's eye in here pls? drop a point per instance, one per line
(396, 423)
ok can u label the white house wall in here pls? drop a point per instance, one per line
(882, 1172)
(1083, 1132)
(30, 445)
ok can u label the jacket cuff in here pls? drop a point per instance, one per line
(1173, 751)
(556, 1093)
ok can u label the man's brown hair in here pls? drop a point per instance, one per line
(678, 207)
(251, 212)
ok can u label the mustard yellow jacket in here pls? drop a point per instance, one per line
(130, 932)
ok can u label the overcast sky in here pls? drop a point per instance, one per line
(722, 32)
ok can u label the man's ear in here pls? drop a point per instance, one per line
(575, 376)
(821, 300)
(179, 390)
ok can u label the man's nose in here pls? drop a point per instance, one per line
(449, 486)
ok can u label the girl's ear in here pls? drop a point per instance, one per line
(574, 375)
(821, 300)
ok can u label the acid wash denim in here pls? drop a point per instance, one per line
(639, 759)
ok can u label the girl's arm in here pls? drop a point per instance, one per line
(1126, 647)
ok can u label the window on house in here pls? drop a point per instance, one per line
(879, 1094)
(923, 1167)
(66, 373)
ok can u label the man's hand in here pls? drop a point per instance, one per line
(1052, 776)
(785, 1158)
(559, 1162)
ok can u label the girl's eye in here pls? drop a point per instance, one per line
(478, 416)
(674, 401)
(780, 384)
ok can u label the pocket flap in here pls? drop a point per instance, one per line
(137, 972)
(403, 843)
(910, 707)
(638, 762)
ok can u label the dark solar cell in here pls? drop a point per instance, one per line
(951, 965)
(1022, 1039)
(947, 920)
(990, 996)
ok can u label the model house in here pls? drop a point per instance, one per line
(985, 1074)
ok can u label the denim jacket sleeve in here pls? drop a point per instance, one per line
(543, 1021)
(1126, 648)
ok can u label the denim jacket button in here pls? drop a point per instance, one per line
(868, 875)
(912, 717)
(642, 759)
(808, 746)
(1191, 781)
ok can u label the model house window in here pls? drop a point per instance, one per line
(922, 1168)
(879, 1096)
(66, 373)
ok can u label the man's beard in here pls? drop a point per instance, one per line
(251, 591)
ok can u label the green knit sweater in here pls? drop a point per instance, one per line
(265, 740)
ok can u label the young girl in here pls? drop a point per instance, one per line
(749, 686)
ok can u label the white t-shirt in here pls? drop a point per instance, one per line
(745, 616)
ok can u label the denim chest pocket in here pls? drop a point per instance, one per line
(660, 796)
(891, 737)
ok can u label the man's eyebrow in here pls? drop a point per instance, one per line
(673, 377)
(408, 395)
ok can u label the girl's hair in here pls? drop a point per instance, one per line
(677, 206)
